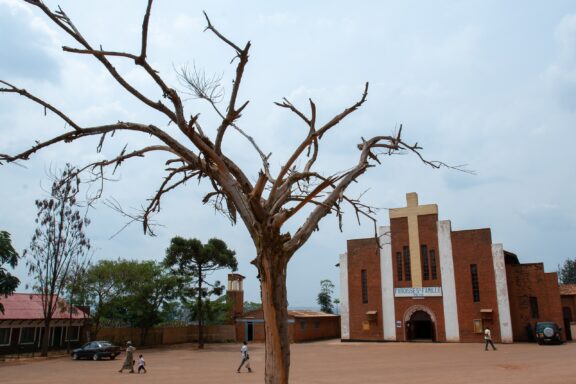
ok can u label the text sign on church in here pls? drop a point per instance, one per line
(418, 292)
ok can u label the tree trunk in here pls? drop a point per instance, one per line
(200, 312)
(45, 338)
(275, 308)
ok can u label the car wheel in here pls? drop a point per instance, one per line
(112, 357)
(74, 356)
(96, 357)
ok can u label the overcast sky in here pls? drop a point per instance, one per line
(490, 84)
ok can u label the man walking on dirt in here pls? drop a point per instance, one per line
(245, 358)
(488, 339)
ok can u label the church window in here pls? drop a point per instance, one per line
(534, 307)
(407, 272)
(475, 283)
(425, 266)
(399, 265)
(433, 271)
(364, 278)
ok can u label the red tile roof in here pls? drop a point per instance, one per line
(567, 289)
(28, 306)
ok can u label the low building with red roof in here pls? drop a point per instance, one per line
(22, 323)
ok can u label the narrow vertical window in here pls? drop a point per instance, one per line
(399, 266)
(407, 271)
(432, 256)
(425, 266)
(364, 286)
(534, 307)
(475, 284)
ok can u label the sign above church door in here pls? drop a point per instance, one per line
(418, 292)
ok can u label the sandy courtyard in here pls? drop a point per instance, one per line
(322, 362)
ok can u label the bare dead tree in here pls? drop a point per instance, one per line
(265, 206)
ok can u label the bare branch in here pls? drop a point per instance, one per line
(145, 31)
(232, 113)
(312, 135)
(64, 22)
(165, 187)
(12, 89)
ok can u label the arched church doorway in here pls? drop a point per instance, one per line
(420, 327)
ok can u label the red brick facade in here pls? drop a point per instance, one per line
(534, 296)
(483, 281)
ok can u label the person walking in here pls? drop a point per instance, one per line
(245, 358)
(129, 361)
(141, 364)
(488, 339)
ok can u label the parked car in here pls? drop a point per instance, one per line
(548, 332)
(96, 350)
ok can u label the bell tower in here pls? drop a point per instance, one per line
(235, 295)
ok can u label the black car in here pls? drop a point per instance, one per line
(548, 332)
(96, 350)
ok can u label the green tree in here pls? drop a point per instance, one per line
(324, 298)
(250, 306)
(337, 304)
(8, 255)
(58, 243)
(103, 282)
(215, 311)
(128, 293)
(192, 261)
(567, 272)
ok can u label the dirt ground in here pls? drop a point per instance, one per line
(322, 362)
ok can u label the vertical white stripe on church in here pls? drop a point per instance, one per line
(387, 281)
(502, 293)
(448, 281)
(344, 309)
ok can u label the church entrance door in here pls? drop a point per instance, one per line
(421, 327)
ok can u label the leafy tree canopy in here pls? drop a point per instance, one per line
(567, 272)
(9, 256)
(324, 298)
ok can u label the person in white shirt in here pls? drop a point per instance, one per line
(141, 364)
(488, 339)
(245, 358)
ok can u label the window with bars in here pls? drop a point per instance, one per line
(425, 266)
(27, 335)
(433, 272)
(73, 334)
(475, 283)
(407, 272)
(5, 334)
(364, 278)
(399, 265)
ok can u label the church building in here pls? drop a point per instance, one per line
(421, 280)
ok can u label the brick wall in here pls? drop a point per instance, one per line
(475, 247)
(364, 254)
(168, 335)
(526, 281)
(317, 328)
